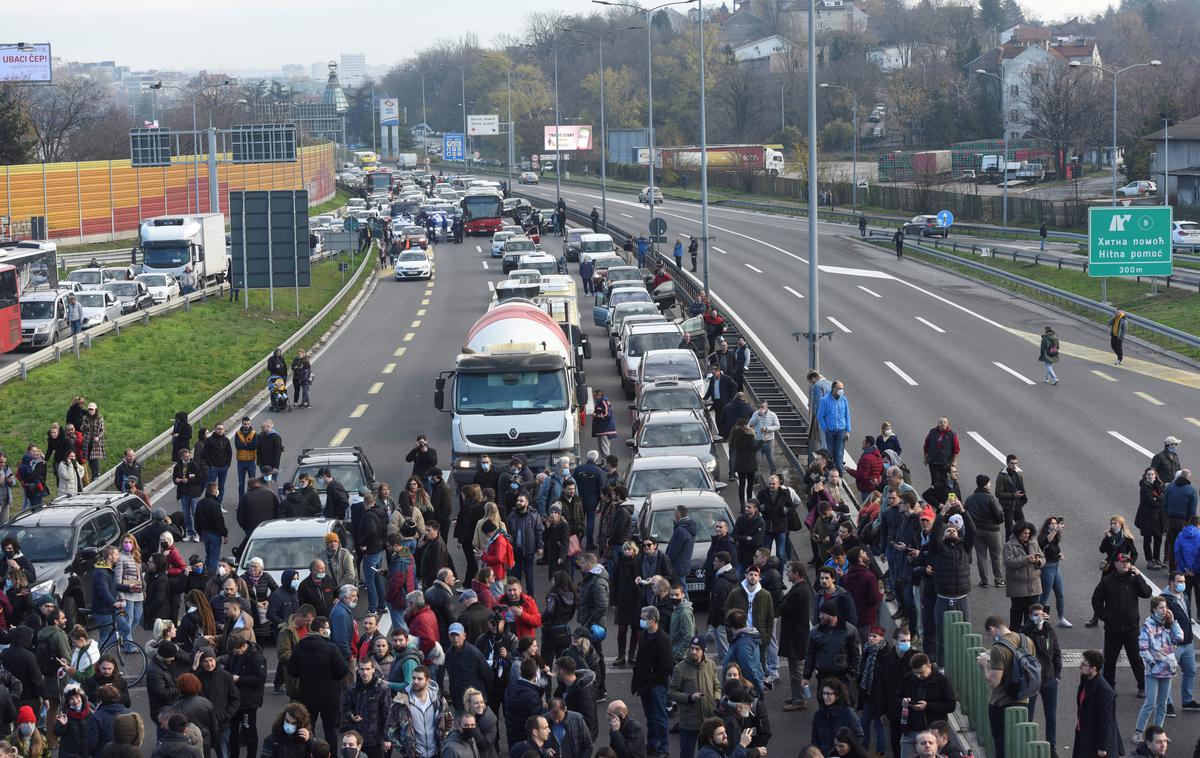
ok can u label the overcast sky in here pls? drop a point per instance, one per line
(266, 34)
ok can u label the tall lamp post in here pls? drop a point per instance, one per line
(1004, 121)
(649, 79)
(558, 126)
(854, 154)
(1116, 73)
(213, 190)
(603, 130)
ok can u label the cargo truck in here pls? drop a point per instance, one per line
(760, 159)
(406, 160)
(168, 244)
(931, 163)
(517, 387)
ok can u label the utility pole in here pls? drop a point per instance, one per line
(703, 152)
(814, 324)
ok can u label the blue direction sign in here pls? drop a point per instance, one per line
(945, 218)
(453, 146)
(350, 224)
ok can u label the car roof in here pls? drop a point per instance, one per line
(43, 295)
(673, 353)
(670, 417)
(295, 527)
(596, 236)
(519, 238)
(652, 327)
(693, 499)
(664, 461)
(663, 385)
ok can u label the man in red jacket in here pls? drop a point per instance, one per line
(863, 586)
(422, 623)
(869, 471)
(498, 555)
(520, 610)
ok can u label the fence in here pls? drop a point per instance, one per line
(97, 200)
(961, 649)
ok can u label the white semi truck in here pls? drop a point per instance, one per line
(517, 388)
(168, 244)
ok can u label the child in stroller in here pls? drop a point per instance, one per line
(277, 390)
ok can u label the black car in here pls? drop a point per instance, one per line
(63, 539)
(349, 466)
(132, 295)
(925, 225)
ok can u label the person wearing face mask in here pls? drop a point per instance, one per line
(893, 663)
(291, 734)
(28, 739)
(1160, 634)
(487, 476)
(1045, 642)
(1177, 602)
(1151, 519)
(218, 454)
(364, 713)
(318, 589)
(210, 525)
(833, 415)
(1166, 461)
(283, 601)
(320, 667)
(463, 741)
(71, 724)
(651, 673)
(1180, 503)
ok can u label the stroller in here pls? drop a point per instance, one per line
(278, 392)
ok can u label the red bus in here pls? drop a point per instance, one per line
(482, 212)
(23, 266)
(379, 180)
(10, 309)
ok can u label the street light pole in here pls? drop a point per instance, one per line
(508, 79)
(814, 324)
(703, 151)
(1004, 122)
(466, 153)
(854, 149)
(782, 107)
(557, 137)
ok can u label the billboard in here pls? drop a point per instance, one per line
(453, 146)
(25, 65)
(483, 124)
(389, 112)
(570, 137)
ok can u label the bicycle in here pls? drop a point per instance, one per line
(127, 652)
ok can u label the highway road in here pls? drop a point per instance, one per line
(912, 343)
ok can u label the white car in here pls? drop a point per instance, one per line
(98, 306)
(659, 473)
(528, 177)
(162, 287)
(413, 264)
(498, 240)
(1185, 234)
(1138, 189)
(644, 195)
(290, 543)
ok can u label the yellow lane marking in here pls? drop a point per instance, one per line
(359, 410)
(399, 351)
(1182, 377)
(1149, 398)
(340, 437)
(375, 388)
(1104, 376)
(389, 368)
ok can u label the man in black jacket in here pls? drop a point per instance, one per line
(320, 668)
(1045, 642)
(248, 666)
(189, 486)
(748, 533)
(466, 668)
(626, 736)
(259, 504)
(318, 589)
(1010, 491)
(651, 673)
(432, 554)
(1115, 602)
(442, 498)
(593, 605)
(724, 579)
(948, 568)
(218, 686)
(209, 523)
(576, 688)
(929, 696)
(424, 459)
(721, 542)
(833, 650)
(721, 390)
(160, 680)
(337, 500)
(270, 448)
(1096, 730)
(369, 538)
(985, 511)
(218, 454)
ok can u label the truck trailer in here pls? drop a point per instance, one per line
(168, 244)
(759, 159)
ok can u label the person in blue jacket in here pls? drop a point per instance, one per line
(683, 540)
(745, 645)
(104, 594)
(833, 416)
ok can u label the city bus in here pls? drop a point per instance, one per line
(379, 180)
(482, 211)
(22, 267)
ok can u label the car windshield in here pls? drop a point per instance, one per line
(43, 544)
(413, 256)
(662, 523)
(90, 300)
(166, 256)
(631, 296)
(604, 264)
(682, 398)
(642, 483)
(37, 309)
(596, 246)
(518, 246)
(281, 553)
(501, 236)
(542, 267)
(349, 475)
(524, 390)
(633, 309)
(681, 367)
(122, 290)
(153, 280)
(671, 435)
(640, 343)
(84, 277)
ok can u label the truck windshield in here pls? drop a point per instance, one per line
(165, 256)
(511, 391)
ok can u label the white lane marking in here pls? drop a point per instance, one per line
(415, 324)
(908, 379)
(931, 325)
(409, 337)
(340, 437)
(389, 368)
(627, 215)
(738, 234)
(491, 286)
(995, 451)
(358, 411)
(375, 388)
(479, 249)
(794, 292)
(952, 304)
(1015, 373)
(1192, 420)
(755, 269)
(719, 250)
(865, 272)
(838, 324)
(1131, 443)
(1105, 376)
(400, 352)
(872, 293)
(484, 264)
(420, 311)
(1149, 398)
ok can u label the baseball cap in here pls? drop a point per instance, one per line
(1123, 558)
(468, 595)
(457, 628)
(1172, 440)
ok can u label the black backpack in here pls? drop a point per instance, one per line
(47, 658)
(1024, 678)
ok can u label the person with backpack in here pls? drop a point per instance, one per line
(1048, 354)
(1012, 670)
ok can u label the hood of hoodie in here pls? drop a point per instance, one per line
(285, 581)
(684, 605)
(21, 636)
(688, 523)
(751, 632)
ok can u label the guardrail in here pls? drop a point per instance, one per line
(251, 374)
(1101, 309)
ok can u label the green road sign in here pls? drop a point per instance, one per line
(1129, 241)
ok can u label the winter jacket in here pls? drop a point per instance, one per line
(630, 740)
(208, 518)
(1022, 578)
(316, 662)
(1045, 644)
(761, 610)
(251, 670)
(526, 531)
(774, 508)
(576, 740)
(337, 500)
(340, 567)
(529, 621)
(1187, 549)
(104, 590)
(847, 611)
(222, 692)
(682, 629)
(833, 414)
(1115, 601)
(1008, 484)
(466, 668)
(679, 550)
(832, 651)
(1156, 645)
(320, 594)
(100, 726)
(280, 745)
(1151, 519)
(400, 731)
(1179, 499)
(457, 746)
(1096, 719)
(938, 693)
(723, 583)
(593, 598)
(827, 722)
(72, 736)
(1048, 349)
(270, 449)
(372, 701)
(176, 745)
(589, 482)
(869, 471)
(793, 622)
(371, 531)
(522, 699)
(748, 534)
(745, 649)
(951, 562)
(863, 587)
(985, 511)
(580, 697)
(1165, 463)
(654, 663)
(218, 453)
(690, 677)
(200, 712)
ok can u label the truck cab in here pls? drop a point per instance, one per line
(170, 244)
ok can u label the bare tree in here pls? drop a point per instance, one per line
(60, 111)
(105, 138)
(1062, 103)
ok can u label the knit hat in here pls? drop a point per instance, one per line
(829, 608)
(25, 715)
(556, 508)
(331, 538)
(957, 520)
(128, 729)
(468, 595)
(698, 642)
(167, 650)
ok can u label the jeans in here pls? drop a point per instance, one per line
(132, 617)
(720, 639)
(654, 704)
(1050, 375)
(300, 394)
(767, 451)
(772, 653)
(866, 721)
(687, 742)
(1155, 703)
(245, 470)
(94, 465)
(212, 550)
(217, 474)
(940, 607)
(591, 531)
(373, 577)
(188, 504)
(780, 541)
(1186, 655)
(904, 596)
(106, 630)
(523, 569)
(221, 742)
(835, 443)
(1049, 695)
(996, 721)
(1052, 579)
(76, 327)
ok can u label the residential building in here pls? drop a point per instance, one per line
(830, 16)
(1180, 155)
(774, 54)
(353, 71)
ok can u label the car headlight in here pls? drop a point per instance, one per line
(42, 328)
(43, 588)
(710, 465)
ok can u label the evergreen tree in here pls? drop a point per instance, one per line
(16, 136)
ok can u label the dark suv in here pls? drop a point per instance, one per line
(349, 466)
(63, 539)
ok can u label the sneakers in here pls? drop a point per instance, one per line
(1062, 622)
(1000, 583)
(1170, 710)
(1141, 696)
(772, 678)
(1191, 705)
(983, 582)
(1136, 738)
(1093, 622)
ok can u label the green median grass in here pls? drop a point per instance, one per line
(175, 362)
(1176, 307)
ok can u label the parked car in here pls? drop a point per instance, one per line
(43, 317)
(635, 341)
(99, 306)
(162, 287)
(656, 521)
(664, 395)
(1140, 188)
(926, 225)
(516, 248)
(571, 243)
(677, 433)
(133, 296)
(679, 364)
(498, 240)
(644, 195)
(528, 177)
(660, 473)
(1185, 234)
(92, 278)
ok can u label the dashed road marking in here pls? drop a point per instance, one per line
(794, 292)
(1105, 376)
(995, 451)
(479, 249)
(415, 324)
(420, 311)
(841, 326)
(627, 215)
(755, 269)
(719, 250)
(389, 368)
(872, 293)
(931, 325)
(484, 264)
(491, 286)
(399, 352)
(908, 379)
(1149, 398)
(375, 388)
(340, 437)
(359, 410)
(1014, 372)
(1131, 443)
(409, 337)
(425, 301)
(1192, 420)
